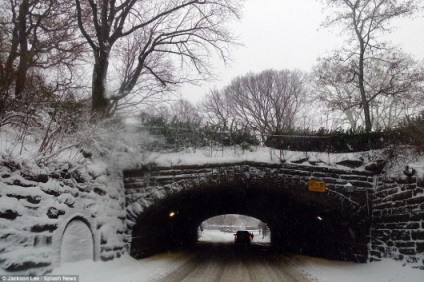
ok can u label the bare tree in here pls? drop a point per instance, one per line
(185, 111)
(268, 101)
(168, 31)
(365, 21)
(216, 109)
(39, 40)
(393, 86)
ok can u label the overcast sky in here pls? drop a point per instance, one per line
(286, 34)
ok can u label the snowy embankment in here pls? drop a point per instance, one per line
(321, 270)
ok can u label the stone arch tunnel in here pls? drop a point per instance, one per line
(275, 194)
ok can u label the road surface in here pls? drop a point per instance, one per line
(225, 262)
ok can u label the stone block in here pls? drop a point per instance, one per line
(386, 192)
(331, 180)
(43, 227)
(401, 244)
(99, 191)
(412, 225)
(401, 225)
(319, 174)
(396, 218)
(9, 214)
(387, 212)
(43, 178)
(35, 200)
(402, 196)
(376, 254)
(388, 180)
(420, 182)
(418, 191)
(417, 216)
(356, 177)
(406, 180)
(390, 243)
(25, 265)
(382, 235)
(416, 200)
(54, 212)
(417, 235)
(380, 249)
(399, 209)
(407, 251)
(407, 187)
(403, 235)
(420, 247)
(51, 192)
(382, 205)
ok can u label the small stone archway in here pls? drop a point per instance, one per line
(76, 239)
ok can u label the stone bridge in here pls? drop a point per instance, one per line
(334, 224)
(363, 215)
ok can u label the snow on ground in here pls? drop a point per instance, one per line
(387, 270)
(154, 268)
(219, 236)
(125, 269)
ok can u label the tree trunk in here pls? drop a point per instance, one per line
(364, 100)
(21, 73)
(100, 102)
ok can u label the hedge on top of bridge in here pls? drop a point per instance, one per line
(340, 141)
(179, 134)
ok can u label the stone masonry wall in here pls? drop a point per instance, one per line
(398, 220)
(348, 188)
(145, 186)
(36, 207)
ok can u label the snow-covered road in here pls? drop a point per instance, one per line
(227, 262)
(158, 267)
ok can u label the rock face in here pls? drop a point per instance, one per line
(49, 218)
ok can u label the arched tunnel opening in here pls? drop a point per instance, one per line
(223, 229)
(299, 225)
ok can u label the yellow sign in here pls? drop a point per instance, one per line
(316, 186)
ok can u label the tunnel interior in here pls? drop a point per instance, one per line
(298, 225)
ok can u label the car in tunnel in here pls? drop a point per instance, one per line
(243, 237)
